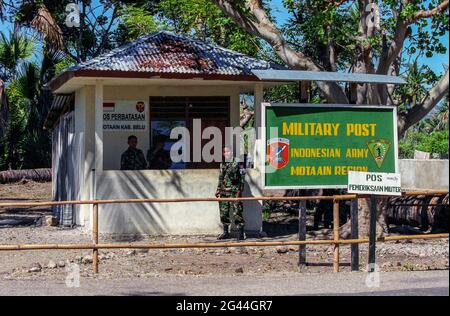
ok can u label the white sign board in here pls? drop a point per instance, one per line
(374, 183)
(125, 116)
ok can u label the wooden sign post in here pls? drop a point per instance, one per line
(373, 184)
(372, 233)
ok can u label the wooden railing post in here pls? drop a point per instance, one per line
(372, 233)
(95, 237)
(336, 235)
(302, 234)
(354, 234)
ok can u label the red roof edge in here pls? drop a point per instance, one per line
(60, 80)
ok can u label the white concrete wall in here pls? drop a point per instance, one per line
(167, 218)
(429, 174)
(156, 219)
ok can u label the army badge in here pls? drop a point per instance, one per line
(278, 152)
(140, 106)
(379, 149)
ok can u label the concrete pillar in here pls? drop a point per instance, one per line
(259, 151)
(98, 126)
(253, 209)
(98, 139)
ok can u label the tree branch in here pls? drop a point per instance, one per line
(436, 94)
(246, 115)
(402, 31)
(390, 54)
(260, 25)
(106, 33)
(424, 14)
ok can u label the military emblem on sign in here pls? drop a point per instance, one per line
(140, 106)
(379, 149)
(278, 152)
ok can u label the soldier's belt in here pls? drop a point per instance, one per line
(227, 193)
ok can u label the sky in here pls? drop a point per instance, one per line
(436, 63)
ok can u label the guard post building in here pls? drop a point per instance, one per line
(165, 81)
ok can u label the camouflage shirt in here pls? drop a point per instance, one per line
(159, 159)
(133, 159)
(231, 177)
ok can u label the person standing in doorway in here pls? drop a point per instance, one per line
(133, 158)
(231, 185)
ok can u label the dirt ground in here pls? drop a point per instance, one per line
(17, 226)
(25, 191)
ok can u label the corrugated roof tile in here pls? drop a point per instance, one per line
(166, 52)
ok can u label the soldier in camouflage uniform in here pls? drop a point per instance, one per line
(133, 158)
(157, 156)
(231, 185)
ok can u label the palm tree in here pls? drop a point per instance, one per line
(36, 15)
(4, 114)
(14, 49)
(24, 102)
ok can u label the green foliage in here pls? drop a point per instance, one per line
(134, 22)
(429, 135)
(265, 214)
(25, 144)
(419, 79)
(204, 20)
(283, 94)
(62, 65)
(315, 25)
(11, 157)
(199, 18)
(13, 49)
(435, 143)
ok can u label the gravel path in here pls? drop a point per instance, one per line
(51, 264)
(402, 256)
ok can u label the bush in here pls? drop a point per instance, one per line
(436, 143)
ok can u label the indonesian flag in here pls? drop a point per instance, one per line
(109, 107)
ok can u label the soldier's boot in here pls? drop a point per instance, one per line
(225, 234)
(241, 234)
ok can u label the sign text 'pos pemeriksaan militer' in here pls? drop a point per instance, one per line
(315, 146)
(374, 183)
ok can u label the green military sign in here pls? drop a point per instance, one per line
(315, 146)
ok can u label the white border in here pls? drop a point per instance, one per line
(264, 139)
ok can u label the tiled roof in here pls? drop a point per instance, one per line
(164, 52)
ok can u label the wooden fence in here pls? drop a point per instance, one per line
(302, 242)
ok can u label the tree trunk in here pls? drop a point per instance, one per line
(424, 212)
(39, 175)
(364, 219)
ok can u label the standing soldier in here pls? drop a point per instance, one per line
(231, 185)
(157, 156)
(133, 158)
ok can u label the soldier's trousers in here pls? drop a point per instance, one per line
(232, 213)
